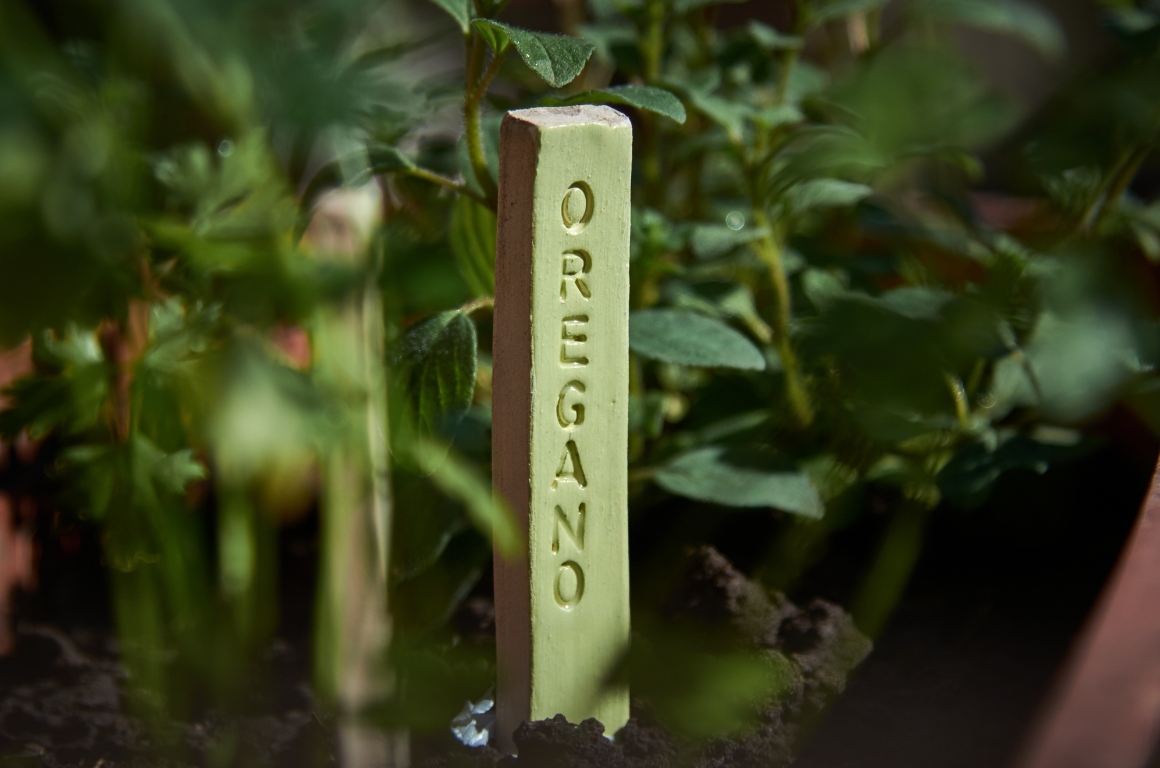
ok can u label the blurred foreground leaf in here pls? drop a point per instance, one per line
(460, 481)
(473, 228)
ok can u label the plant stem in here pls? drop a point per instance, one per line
(474, 90)
(654, 40)
(890, 572)
(959, 395)
(1113, 186)
(789, 57)
(769, 250)
(483, 302)
(1121, 181)
(443, 181)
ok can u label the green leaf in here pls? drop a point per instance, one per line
(558, 59)
(825, 193)
(459, 480)
(385, 159)
(700, 90)
(687, 338)
(1020, 20)
(473, 228)
(174, 471)
(821, 287)
(460, 10)
(741, 477)
(782, 114)
(440, 359)
(659, 100)
(711, 241)
(771, 39)
(968, 478)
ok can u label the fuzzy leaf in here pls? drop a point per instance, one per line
(473, 230)
(440, 355)
(558, 59)
(746, 477)
(687, 338)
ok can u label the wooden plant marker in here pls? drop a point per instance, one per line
(560, 412)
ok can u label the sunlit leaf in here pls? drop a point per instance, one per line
(647, 97)
(687, 338)
(558, 59)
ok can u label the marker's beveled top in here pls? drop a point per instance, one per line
(582, 114)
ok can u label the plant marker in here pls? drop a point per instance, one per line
(560, 413)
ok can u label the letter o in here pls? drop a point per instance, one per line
(569, 586)
(570, 416)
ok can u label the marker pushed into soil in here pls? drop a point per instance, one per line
(560, 413)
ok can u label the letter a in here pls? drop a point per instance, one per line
(570, 467)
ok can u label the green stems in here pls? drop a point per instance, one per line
(769, 249)
(443, 181)
(1114, 185)
(475, 87)
(890, 571)
(654, 40)
(785, 69)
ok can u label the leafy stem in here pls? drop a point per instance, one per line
(443, 181)
(474, 90)
(788, 62)
(1114, 185)
(654, 40)
(770, 250)
(483, 302)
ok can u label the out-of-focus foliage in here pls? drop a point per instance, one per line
(822, 301)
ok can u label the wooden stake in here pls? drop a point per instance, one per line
(560, 412)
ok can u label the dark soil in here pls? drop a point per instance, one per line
(64, 705)
(64, 698)
(998, 597)
(820, 641)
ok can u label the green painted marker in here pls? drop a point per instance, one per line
(560, 412)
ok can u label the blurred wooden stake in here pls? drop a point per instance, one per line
(353, 621)
(1105, 711)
